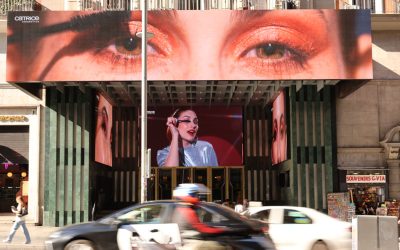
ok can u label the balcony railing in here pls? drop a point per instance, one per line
(188, 4)
(376, 6)
(13, 5)
(26, 5)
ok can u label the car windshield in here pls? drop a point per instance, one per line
(142, 213)
(261, 215)
(145, 214)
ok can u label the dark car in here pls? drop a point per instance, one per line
(241, 233)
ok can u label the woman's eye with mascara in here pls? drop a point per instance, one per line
(274, 130)
(104, 120)
(282, 128)
(122, 48)
(184, 121)
(130, 47)
(272, 51)
(275, 57)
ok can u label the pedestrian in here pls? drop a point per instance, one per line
(240, 208)
(381, 209)
(226, 203)
(21, 211)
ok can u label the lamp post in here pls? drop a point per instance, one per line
(145, 153)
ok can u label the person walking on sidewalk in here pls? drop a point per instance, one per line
(21, 211)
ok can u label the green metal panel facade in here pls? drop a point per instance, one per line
(67, 145)
(259, 175)
(309, 173)
(313, 145)
(68, 117)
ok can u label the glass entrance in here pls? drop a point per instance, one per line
(225, 183)
(13, 179)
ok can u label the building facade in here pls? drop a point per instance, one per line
(336, 128)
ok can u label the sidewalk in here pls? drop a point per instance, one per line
(38, 235)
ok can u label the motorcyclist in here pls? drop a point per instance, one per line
(189, 220)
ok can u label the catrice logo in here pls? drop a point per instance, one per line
(27, 19)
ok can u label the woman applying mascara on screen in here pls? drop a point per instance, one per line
(185, 149)
(192, 45)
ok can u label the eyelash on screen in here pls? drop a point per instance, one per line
(188, 121)
(104, 122)
(292, 57)
(106, 46)
(291, 50)
(113, 49)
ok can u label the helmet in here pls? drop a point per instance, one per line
(189, 192)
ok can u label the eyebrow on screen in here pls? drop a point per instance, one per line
(247, 16)
(162, 16)
(76, 23)
(99, 19)
(166, 20)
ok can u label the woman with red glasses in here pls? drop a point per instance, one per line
(185, 149)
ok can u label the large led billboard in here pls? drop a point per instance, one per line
(279, 148)
(189, 45)
(196, 137)
(103, 133)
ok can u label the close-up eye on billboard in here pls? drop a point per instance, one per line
(279, 130)
(189, 45)
(196, 137)
(103, 133)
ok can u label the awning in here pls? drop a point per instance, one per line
(10, 156)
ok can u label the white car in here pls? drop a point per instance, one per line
(301, 228)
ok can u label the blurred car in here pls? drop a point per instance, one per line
(302, 228)
(153, 223)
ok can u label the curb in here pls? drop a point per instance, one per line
(20, 246)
